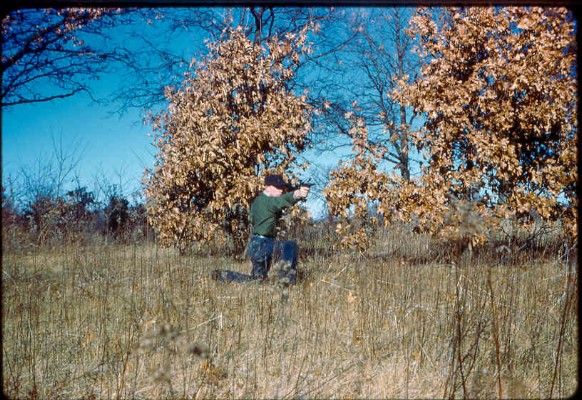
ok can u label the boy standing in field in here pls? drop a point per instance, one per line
(266, 210)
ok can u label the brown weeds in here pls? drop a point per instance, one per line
(143, 322)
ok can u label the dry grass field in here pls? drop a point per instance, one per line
(141, 322)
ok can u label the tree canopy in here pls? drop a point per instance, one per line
(498, 91)
(472, 113)
(42, 47)
(233, 120)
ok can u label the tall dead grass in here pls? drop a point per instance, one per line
(143, 322)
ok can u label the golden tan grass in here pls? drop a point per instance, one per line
(143, 322)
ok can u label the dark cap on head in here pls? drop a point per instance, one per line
(277, 181)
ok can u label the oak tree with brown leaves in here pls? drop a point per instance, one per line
(499, 92)
(233, 120)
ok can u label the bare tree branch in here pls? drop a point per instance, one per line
(46, 54)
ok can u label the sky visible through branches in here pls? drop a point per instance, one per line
(109, 139)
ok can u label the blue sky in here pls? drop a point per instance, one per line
(105, 144)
